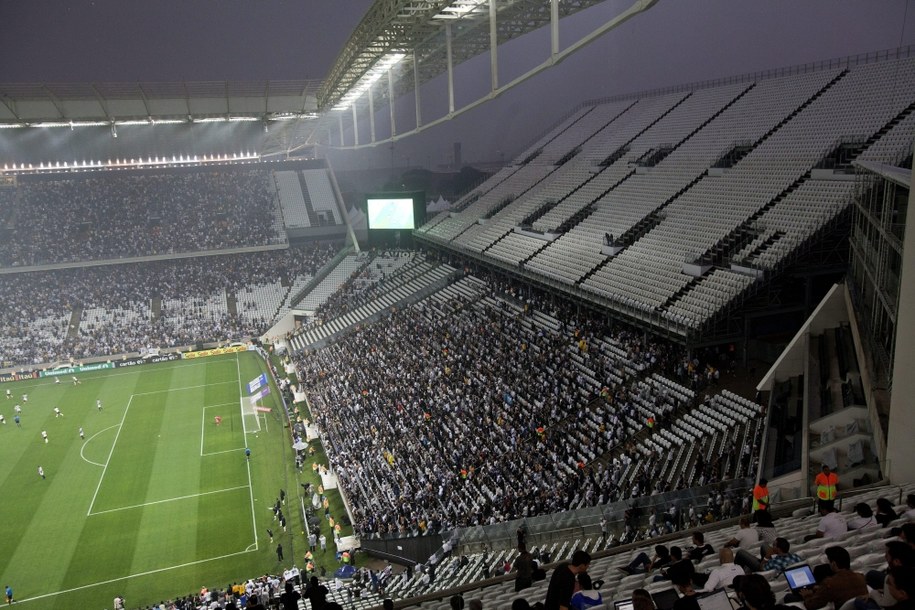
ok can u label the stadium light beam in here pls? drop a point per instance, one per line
(368, 79)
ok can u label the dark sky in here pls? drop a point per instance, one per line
(172, 40)
(676, 41)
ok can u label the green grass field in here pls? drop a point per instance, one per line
(157, 500)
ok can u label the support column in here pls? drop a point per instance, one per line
(372, 113)
(391, 102)
(340, 124)
(450, 68)
(493, 47)
(355, 125)
(416, 96)
(554, 27)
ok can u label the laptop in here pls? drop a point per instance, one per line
(664, 600)
(625, 604)
(717, 600)
(800, 577)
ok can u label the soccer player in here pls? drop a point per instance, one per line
(247, 453)
(17, 409)
(57, 380)
(25, 398)
(9, 394)
(98, 403)
(75, 380)
(82, 435)
(9, 595)
(41, 472)
(57, 412)
(2, 419)
(16, 419)
(218, 420)
(44, 435)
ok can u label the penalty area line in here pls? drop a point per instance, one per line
(154, 502)
(130, 576)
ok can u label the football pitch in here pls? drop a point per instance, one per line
(156, 499)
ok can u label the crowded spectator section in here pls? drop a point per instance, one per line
(65, 314)
(428, 435)
(65, 218)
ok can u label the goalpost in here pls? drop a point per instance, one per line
(258, 388)
(250, 421)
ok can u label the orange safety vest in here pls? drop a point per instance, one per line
(826, 486)
(760, 498)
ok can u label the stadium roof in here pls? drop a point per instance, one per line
(435, 35)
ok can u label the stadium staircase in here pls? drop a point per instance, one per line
(319, 277)
(723, 251)
(73, 328)
(231, 304)
(155, 308)
(651, 158)
(306, 197)
(799, 109)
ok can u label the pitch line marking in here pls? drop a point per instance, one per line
(110, 453)
(205, 493)
(86, 442)
(190, 387)
(130, 576)
(241, 391)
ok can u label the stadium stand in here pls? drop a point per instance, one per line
(93, 311)
(737, 174)
(99, 216)
(479, 379)
(478, 402)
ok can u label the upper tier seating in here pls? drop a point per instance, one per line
(720, 175)
(64, 218)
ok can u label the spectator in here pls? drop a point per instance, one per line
(756, 594)
(723, 576)
(641, 600)
(864, 519)
(643, 563)
(586, 596)
(909, 513)
(765, 527)
(524, 566)
(838, 588)
(777, 557)
(832, 524)
(745, 537)
(700, 548)
(898, 554)
(688, 596)
(885, 512)
(562, 583)
(901, 584)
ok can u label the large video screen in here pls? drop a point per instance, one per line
(390, 213)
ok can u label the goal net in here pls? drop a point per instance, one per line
(249, 414)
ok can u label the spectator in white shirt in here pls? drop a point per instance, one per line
(832, 524)
(745, 537)
(722, 576)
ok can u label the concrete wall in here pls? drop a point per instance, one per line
(900, 464)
